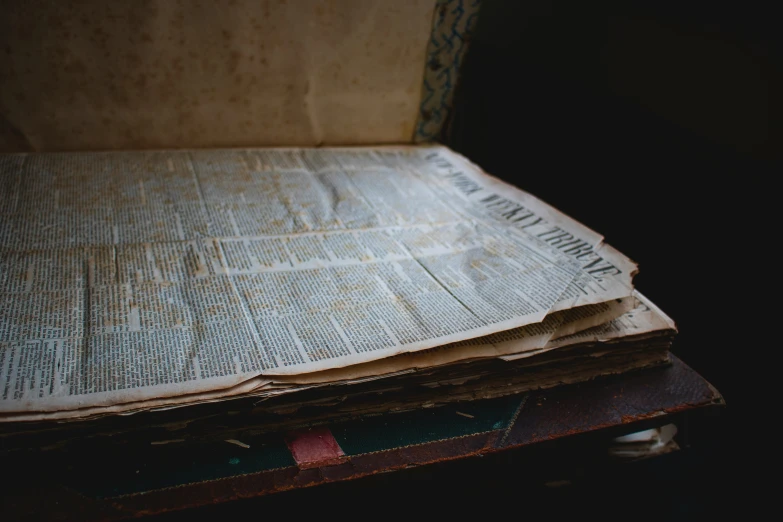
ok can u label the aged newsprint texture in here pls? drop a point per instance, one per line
(643, 333)
(98, 75)
(132, 276)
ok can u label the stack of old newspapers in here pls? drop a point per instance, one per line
(350, 280)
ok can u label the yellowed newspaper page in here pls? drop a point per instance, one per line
(98, 75)
(131, 276)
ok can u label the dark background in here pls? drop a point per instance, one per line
(657, 124)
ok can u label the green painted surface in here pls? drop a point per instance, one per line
(395, 430)
(179, 463)
(174, 464)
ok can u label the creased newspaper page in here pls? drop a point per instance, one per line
(129, 276)
(646, 319)
(535, 337)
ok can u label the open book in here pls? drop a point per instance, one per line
(143, 280)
